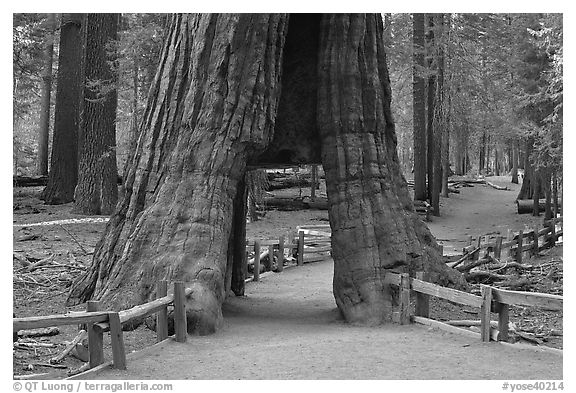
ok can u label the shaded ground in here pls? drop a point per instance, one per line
(288, 328)
(302, 315)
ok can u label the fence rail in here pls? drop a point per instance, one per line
(312, 243)
(492, 300)
(514, 245)
(98, 322)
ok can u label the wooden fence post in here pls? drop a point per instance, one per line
(95, 337)
(535, 239)
(256, 276)
(404, 299)
(270, 257)
(478, 246)
(520, 246)
(503, 319)
(552, 239)
(280, 265)
(180, 312)
(509, 237)
(162, 315)
(422, 308)
(485, 312)
(498, 248)
(117, 340)
(300, 253)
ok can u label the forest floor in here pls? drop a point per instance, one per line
(287, 320)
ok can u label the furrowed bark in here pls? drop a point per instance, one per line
(374, 227)
(212, 106)
(63, 173)
(97, 189)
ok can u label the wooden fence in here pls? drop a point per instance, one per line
(98, 321)
(310, 243)
(514, 245)
(492, 300)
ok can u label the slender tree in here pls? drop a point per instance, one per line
(430, 97)
(438, 113)
(44, 124)
(97, 190)
(419, 108)
(63, 173)
(514, 161)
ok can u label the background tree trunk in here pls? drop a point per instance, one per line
(374, 227)
(514, 161)
(439, 113)
(212, 105)
(431, 93)
(97, 190)
(46, 90)
(482, 155)
(419, 108)
(526, 190)
(63, 174)
(536, 180)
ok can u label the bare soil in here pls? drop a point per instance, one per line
(287, 326)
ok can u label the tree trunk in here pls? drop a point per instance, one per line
(44, 124)
(419, 108)
(63, 173)
(431, 93)
(536, 192)
(446, 105)
(439, 123)
(514, 161)
(546, 178)
(314, 182)
(236, 269)
(211, 109)
(212, 105)
(374, 227)
(555, 193)
(482, 158)
(496, 162)
(527, 187)
(97, 190)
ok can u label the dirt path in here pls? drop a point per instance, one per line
(479, 210)
(287, 327)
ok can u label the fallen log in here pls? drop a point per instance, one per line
(526, 206)
(497, 187)
(464, 257)
(291, 204)
(473, 264)
(79, 337)
(516, 283)
(470, 322)
(288, 182)
(506, 265)
(29, 181)
(529, 337)
(81, 369)
(49, 331)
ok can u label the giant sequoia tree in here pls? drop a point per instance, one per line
(228, 89)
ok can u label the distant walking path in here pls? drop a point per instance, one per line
(287, 327)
